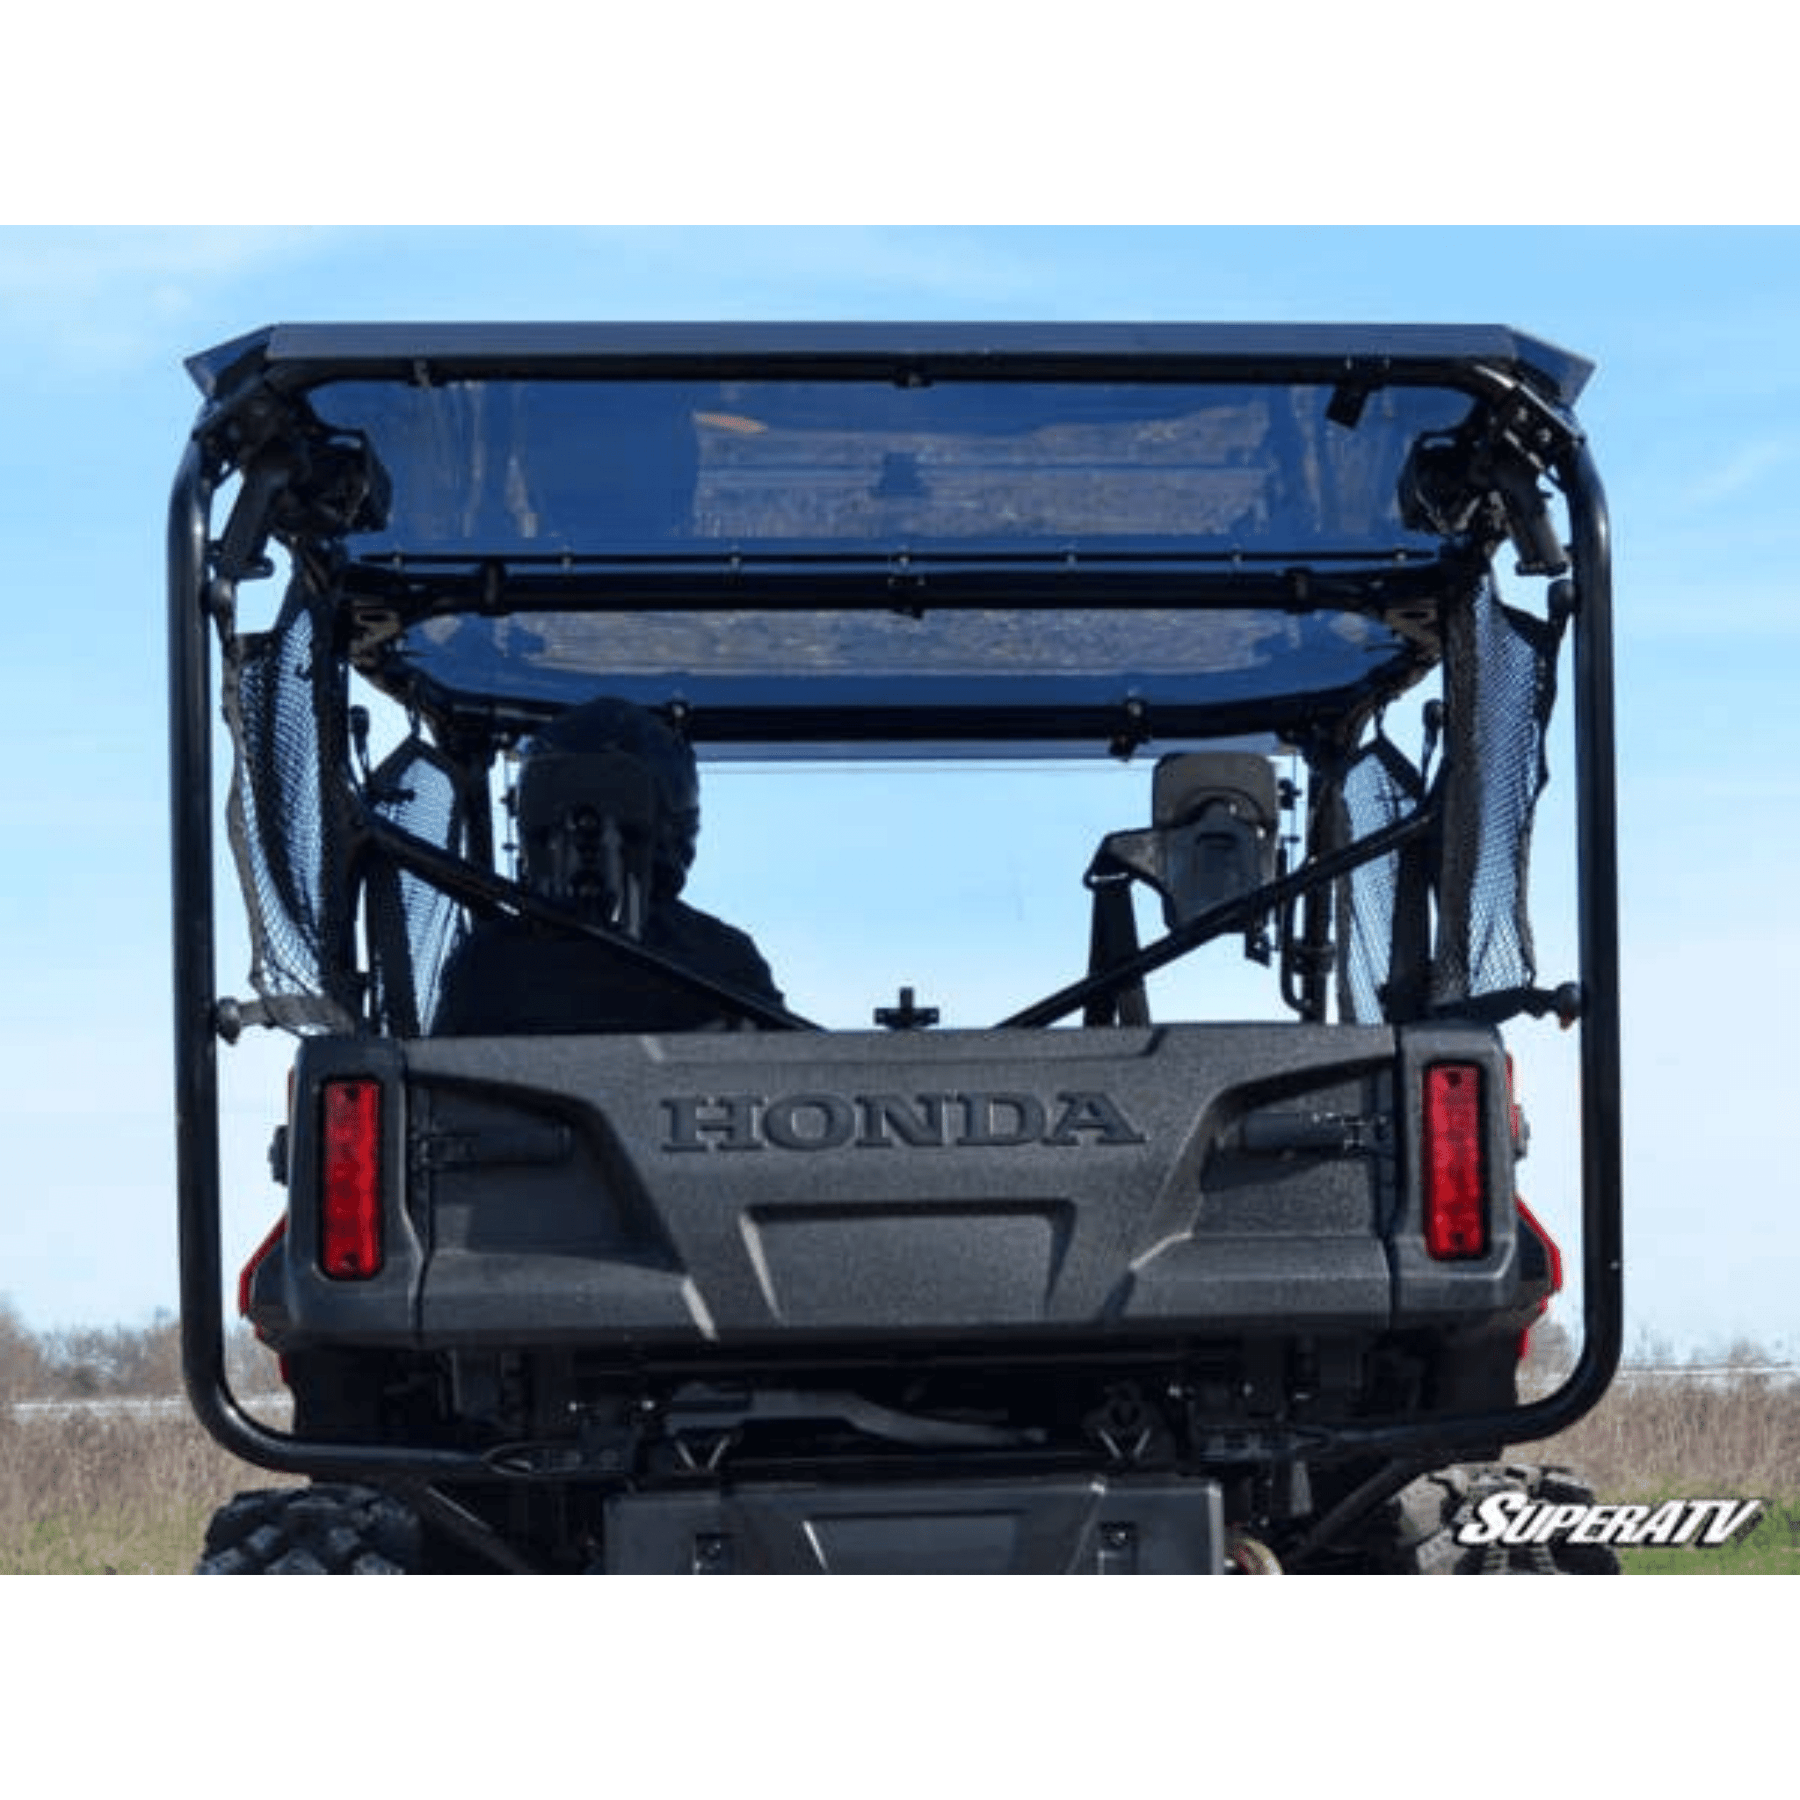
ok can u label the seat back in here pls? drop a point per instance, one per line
(1213, 837)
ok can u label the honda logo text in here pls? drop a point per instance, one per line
(983, 1120)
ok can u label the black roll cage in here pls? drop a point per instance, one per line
(1509, 372)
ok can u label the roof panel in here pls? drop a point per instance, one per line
(302, 353)
(538, 468)
(794, 522)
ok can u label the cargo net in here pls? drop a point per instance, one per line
(1499, 688)
(296, 822)
(1442, 926)
(412, 925)
(1381, 788)
(289, 822)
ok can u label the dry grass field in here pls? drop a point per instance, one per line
(120, 1480)
(1696, 1438)
(101, 1494)
(1702, 1438)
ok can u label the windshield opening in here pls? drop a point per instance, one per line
(963, 882)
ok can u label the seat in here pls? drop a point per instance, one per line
(1213, 832)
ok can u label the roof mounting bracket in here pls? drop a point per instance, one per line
(1133, 732)
(1483, 485)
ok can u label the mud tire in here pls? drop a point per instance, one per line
(1427, 1514)
(321, 1530)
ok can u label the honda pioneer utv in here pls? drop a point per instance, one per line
(597, 1253)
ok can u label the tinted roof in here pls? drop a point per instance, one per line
(547, 467)
(810, 531)
(297, 355)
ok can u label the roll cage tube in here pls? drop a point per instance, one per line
(195, 595)
(193, 599)
(1597, 886)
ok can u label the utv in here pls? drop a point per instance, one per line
(696, 1285)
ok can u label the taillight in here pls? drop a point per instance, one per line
(1553, 1262)
(1515, 1113)
(1454, 1162)
(350, 1187)
(1552, 1250)
(258, 1256)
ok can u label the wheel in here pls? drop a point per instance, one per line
(1426, 1516)
(320, 1530)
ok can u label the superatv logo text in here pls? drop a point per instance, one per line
(818, 1121)
(1517, 1519)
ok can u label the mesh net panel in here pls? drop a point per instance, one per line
(1380, 789)
(292, 817)
(413, 925)
(288, 825)
(1499, 686)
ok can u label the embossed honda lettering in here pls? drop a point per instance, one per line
(977, 1119)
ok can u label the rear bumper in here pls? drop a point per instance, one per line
(1067, 1526)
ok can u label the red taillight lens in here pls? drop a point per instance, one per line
(350, 1196)
(1552, 1257)
(1454, 1162)
(259, 1256)
(1552, 1250)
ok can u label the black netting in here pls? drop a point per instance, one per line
(302, 854)
(412, 925)
(1379, 789)
(1499, 686)
(289, 821)
(1443, 923)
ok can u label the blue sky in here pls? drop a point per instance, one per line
(1692, 415)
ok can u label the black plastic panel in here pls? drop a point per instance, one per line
(1060, 1527)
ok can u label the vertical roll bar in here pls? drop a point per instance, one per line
(196, 1045)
